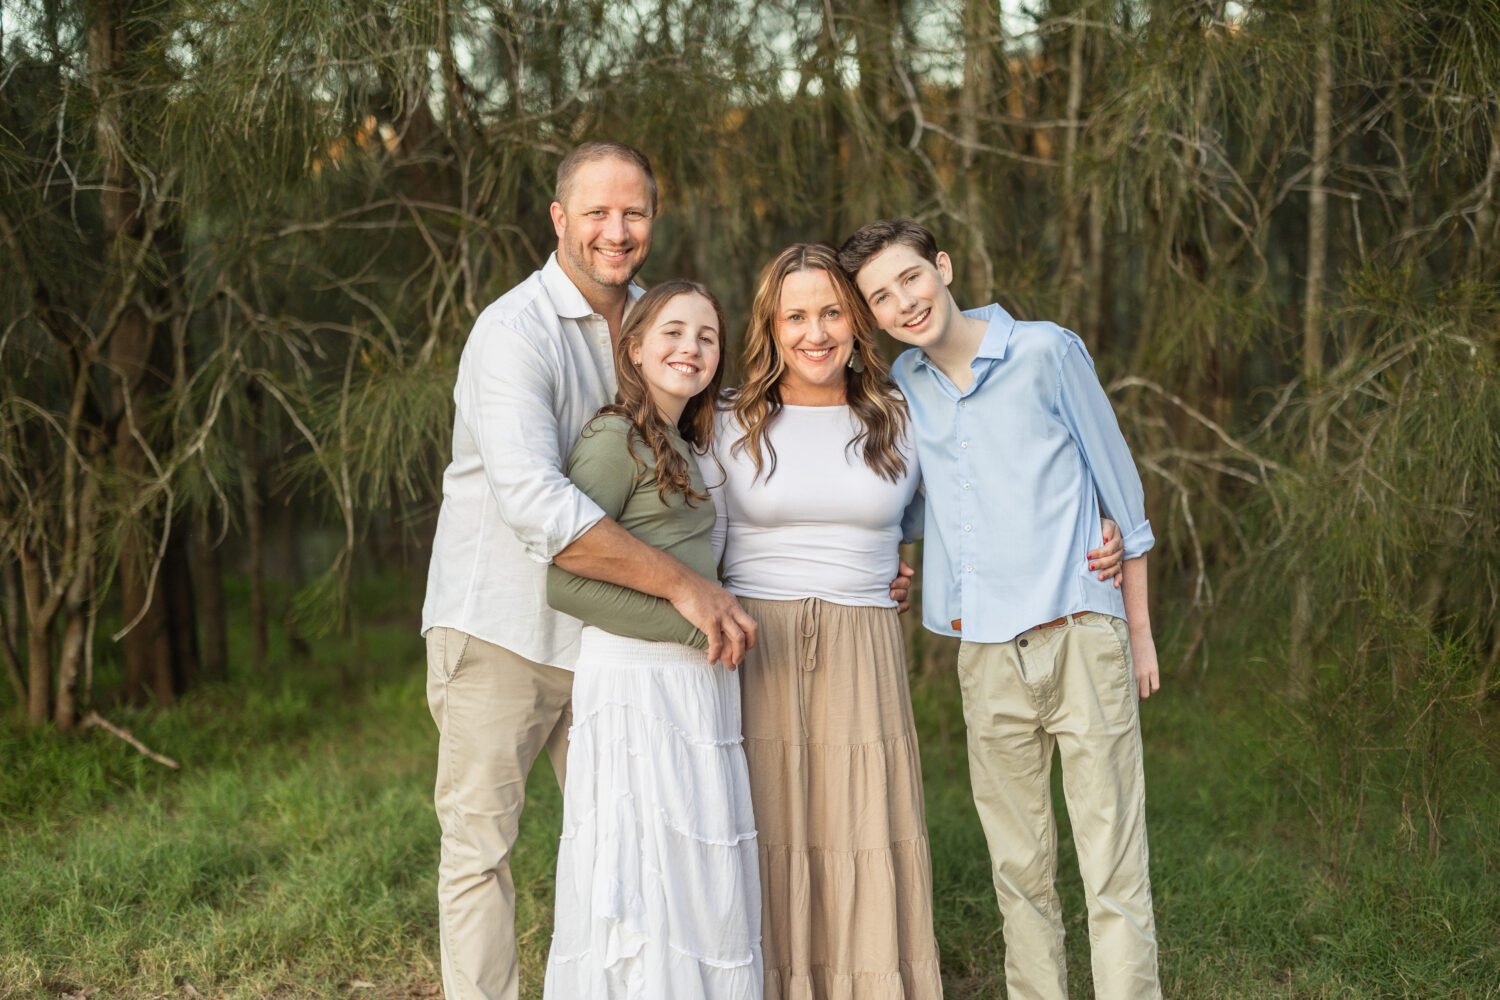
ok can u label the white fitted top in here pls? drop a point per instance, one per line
(824, 524)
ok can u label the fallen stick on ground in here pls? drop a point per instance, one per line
(95, 719)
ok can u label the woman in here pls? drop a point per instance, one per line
(819, 473)
(657, 890)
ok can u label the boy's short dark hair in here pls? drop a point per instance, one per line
(869, 240)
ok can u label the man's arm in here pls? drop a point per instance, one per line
(605, 465)
(601, 465)
(1138, 616)
(505, 395)
(608, 552)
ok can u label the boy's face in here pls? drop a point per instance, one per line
(908, 294)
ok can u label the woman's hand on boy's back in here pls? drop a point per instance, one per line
(1107, 559)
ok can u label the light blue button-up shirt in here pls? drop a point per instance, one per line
(1016, 470)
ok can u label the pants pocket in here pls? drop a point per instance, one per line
(968, 652)
(445, 651)
(1121, 634)
(1106, 649)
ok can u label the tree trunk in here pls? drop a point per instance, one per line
(181, 613)
(208, 582)
(286, 539)
(1317, 199)
(69, 666)
(1096, 330)
(10, 631)
(130, 340)
(255, 533)
(1484, 215)
(1070, 260)
(159, 650)
(834, 137)
(981, 18)
(1312, 312)
(38, 639)
(76, 610)
(39, 652)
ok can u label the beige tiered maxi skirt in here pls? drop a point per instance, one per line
(836, 781)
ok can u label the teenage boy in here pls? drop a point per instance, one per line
(1020, 451)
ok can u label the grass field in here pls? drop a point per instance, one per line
(294, 852)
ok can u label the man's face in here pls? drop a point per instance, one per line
(604, 230)
(908, 294)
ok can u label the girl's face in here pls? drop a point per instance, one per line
(679, 352)
(815, 337)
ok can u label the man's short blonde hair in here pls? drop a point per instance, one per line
(593, 152)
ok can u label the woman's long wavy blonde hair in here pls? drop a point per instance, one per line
(867, 385)
(633, 399)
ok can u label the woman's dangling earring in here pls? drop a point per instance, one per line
(856, 363)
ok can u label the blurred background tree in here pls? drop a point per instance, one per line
(242, 242)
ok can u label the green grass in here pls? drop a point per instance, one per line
(294, 853)
(1246, 906)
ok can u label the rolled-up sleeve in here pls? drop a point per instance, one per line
(504, 397)
(1084, 408)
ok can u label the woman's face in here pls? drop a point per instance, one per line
(679, 352)
(816, 338)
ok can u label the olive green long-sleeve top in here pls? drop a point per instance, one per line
(604, 465)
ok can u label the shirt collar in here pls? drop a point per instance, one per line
(996, 336)
(565, 296)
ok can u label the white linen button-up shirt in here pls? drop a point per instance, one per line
(537, 365)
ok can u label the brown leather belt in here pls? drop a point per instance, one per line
(1059, 622)
(957, 624)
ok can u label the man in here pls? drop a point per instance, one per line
(536, 367)
(1020, 450)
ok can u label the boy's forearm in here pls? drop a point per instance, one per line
(1137, 602)
(1138, 614)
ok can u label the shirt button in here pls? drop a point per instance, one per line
(1023, 642)
(966, 486)
(963, 444)
(968, 569)
(968, 527)
(962, 403)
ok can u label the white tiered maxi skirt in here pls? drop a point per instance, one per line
(658, 891)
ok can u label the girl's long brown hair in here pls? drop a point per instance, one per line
(867, 388)
(633, 399)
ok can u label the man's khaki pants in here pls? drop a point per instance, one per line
(494, 711)
(1071, 686)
